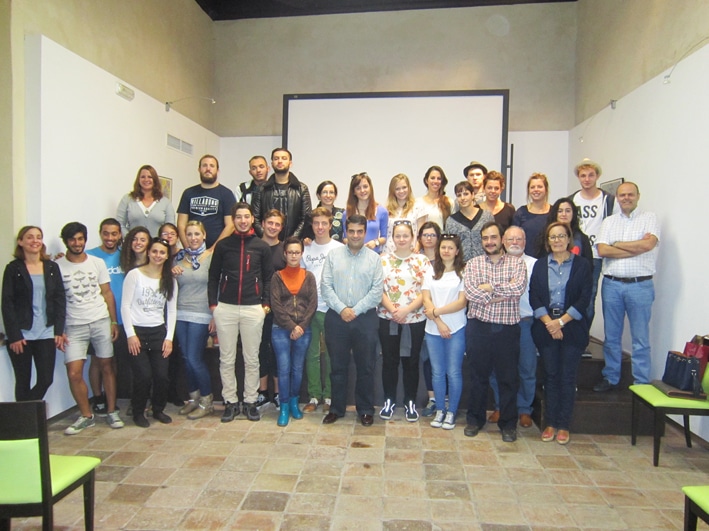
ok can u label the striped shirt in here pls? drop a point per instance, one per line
(622, 228)
(508, 278)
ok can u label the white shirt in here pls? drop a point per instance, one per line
(622, 228)
(592, 212)
(144, 305)
(525, 309)
(82, 283)
(313, 260)
(444, 291)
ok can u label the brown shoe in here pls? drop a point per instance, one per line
(311, 406)
(525, 420)
(330, 418)
(494, 416)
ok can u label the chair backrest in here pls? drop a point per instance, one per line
(24, 452)
(705, 381)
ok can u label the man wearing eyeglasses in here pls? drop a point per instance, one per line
(282, 191)
(351, 286)
(514, 241)
(628, 243)
(494, 283)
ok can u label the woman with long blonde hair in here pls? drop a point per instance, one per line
(401, 205)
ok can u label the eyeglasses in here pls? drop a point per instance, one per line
(168, 234)
(429, 235)
(401, 222)
(294, 253)
(555, 237)
(361, 174)
(448, 236)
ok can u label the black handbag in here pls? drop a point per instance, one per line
(682, 372)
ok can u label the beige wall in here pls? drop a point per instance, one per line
(621, 45)
(6, 212)
(162, 47)
(529, 49)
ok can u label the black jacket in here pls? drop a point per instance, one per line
(241, 271)
(17, 299)
(578, 295)
(297, 213)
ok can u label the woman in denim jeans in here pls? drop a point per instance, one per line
(194, 320)
(444, 302)
(294, 299)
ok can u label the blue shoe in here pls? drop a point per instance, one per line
(295, 412)
(283, 416)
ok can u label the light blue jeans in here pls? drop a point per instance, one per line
(446, 357)
(290, 357)
(635, 301)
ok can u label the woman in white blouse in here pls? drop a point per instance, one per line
(149, 313)
(145, 205)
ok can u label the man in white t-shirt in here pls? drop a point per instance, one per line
(313, 260)
(90, 318)
(594, 205)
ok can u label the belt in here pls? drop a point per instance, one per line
(557, 312)
(628, 280)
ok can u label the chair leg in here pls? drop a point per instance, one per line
(89, 503)
(687, 432)
(5, 524)
(690, 518)
(658, 425)
(634, 421)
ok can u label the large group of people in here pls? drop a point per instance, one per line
(424, 281)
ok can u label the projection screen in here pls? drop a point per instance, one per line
(333, 136)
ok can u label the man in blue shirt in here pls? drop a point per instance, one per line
(351, 286)
(110, 252)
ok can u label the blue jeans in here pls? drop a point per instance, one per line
(635, 300)
(591, 310)
(527, 370)
(561, 362)
(193, 339)
(290, 358)
(446, 357)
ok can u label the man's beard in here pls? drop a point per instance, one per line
(207, 180)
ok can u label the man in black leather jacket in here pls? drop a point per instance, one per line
(282, 191)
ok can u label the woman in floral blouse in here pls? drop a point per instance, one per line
(401, 319)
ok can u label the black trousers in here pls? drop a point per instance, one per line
(44, 353)
(149, 367)
(391, 357)
(492, 346)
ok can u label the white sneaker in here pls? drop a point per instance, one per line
(437, 421)
(80, 425)
(114, 420)
(449, 422)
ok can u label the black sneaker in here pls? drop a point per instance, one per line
(276, 402)
(387, 410)
(509, 435)
(262, 400)
(471, 430)
(411, 413)
(230, 411)
(603, 386)
(251, 412)
(99, 405)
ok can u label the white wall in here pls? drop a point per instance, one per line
(84, 147)
(657, 138)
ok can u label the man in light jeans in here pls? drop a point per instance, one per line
(239, 294)
(628, 242)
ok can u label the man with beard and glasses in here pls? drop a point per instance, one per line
(284, 192)
(494, 283)
(208, 202)
(90, 319)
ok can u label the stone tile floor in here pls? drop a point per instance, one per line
(394, 475)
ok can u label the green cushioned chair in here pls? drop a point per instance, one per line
(663, 405)
(696, 505)
(31, 480)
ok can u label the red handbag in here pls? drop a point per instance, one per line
(698, 347)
